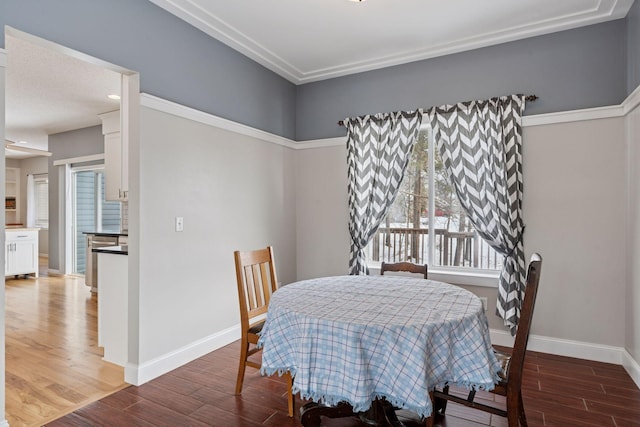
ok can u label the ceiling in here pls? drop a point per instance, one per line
(49, 91)
(310, 40)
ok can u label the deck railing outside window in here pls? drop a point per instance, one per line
(456, 249)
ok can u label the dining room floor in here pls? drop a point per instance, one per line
(558, 391)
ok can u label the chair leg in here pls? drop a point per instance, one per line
(244, 350)
(429, 421)
(440, 404)
(523, 417)
(290, 401)
(513, 406)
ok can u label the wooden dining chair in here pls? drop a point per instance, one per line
(510, 384)
(404, 266)
(256, 276)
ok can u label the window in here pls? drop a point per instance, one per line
(426, 223)
(38, 208)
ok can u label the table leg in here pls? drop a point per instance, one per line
(381, 414)
(311, 412)
(390, 414)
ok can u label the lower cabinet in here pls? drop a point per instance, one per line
(21, 252)
(112, 307)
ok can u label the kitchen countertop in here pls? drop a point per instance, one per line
(20, 228)
(107, 233)
(117, 250)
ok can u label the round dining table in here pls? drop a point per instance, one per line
(357, 339)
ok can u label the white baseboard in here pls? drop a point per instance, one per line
(564, 347)
(578, 349)
(632, 367)
(140, 374)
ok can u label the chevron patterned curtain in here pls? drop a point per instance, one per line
(481, 146)
(379, 148)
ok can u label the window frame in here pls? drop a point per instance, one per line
(449, 274)
(38, 179)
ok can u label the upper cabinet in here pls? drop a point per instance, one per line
(121, 130)
(12, 195)
(115, 171)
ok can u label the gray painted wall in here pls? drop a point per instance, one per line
(633, 41)
(66, 145)
(176, 61)
(580, 68)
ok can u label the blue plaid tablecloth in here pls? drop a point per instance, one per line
(357, 338)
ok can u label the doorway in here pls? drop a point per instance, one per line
(72, 351)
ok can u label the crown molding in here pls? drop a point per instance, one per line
(607, 10)
(192, 13)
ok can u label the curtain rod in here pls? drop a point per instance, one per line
(528, 98)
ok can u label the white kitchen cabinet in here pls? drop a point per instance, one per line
(12, 195)
(21, 252)
(112, 306)
(115, 162)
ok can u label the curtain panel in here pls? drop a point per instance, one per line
(481, 146)
(378, 150)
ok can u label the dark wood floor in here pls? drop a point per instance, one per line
(558, 391)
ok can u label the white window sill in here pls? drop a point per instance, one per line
(488, 279)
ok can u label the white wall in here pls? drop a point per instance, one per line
(632, 294)
(574, 198)
(574, 211)
(322, 212)
(234, 192)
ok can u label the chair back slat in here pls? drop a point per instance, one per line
(256, 276)
(404, 266)
(524, 324)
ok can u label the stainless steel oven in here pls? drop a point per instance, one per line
(91, 273)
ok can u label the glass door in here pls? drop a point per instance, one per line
(90, 211)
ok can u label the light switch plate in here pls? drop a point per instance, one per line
(179, 223)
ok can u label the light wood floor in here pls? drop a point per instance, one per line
(53, 363)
